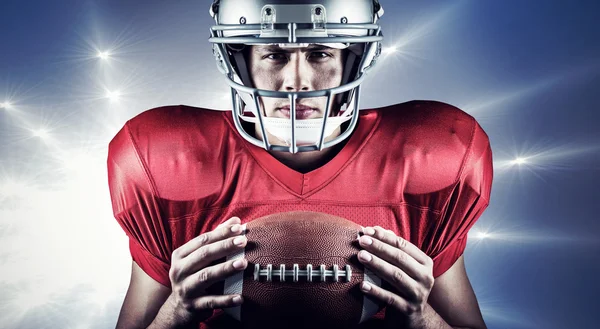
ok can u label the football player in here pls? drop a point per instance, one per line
(415, 175)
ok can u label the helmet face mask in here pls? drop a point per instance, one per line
(341, 24)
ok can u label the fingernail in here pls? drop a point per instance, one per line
(369, 231)
(366, 240)
(238, 241)
(238, 264)
(237, 299)
(236, 228)
(365, 256)
(365, 286)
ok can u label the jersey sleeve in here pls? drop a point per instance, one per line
(468, 199)
(136, 207)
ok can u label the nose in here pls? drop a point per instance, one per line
(297, 74)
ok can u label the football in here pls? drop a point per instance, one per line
(303, 271)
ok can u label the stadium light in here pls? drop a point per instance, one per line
(389, 50)
(104, 55)
(41, 133)
(113, 95)
(519, 161)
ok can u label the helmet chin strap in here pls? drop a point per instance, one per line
(307, 132)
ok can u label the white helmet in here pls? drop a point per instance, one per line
(350, 24)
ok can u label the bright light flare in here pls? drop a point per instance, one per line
(6, 105)
(482, 235)
(523, 235)
(519, 161)
(104, 55)
(547, 158)
(42, 133)
(389, 50)
(113, 95)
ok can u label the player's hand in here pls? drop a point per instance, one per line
(191, 273)
(402, 265)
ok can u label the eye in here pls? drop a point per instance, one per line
(319, 55)
(276, 57)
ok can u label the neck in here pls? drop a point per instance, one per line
(307, 161)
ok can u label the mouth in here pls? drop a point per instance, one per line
(302, 111)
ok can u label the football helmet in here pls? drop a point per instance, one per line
(343, 24)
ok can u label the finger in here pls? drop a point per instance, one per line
(207, 254)
(391, 238)
(221, 232)
(206, 277)
(231, 221)
(391, 274)
(387, 297)
(395, 257)
(214, 302)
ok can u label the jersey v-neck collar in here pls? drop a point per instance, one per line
(303, 185)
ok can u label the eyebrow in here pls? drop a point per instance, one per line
(277, 49)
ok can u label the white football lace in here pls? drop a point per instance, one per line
(296, 272)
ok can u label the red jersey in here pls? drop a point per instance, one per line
(422, 169)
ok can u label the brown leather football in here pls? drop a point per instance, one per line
(302, 271)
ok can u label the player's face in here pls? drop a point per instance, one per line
(296, 69)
